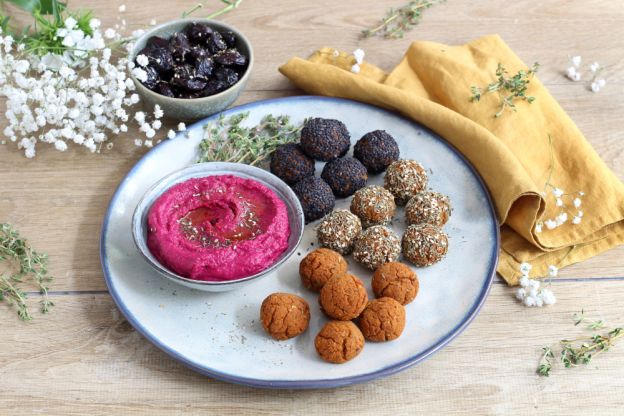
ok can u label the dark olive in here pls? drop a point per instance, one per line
(214, 86)
(163, 88)
(197, 53)
(204, 68)
(216, 43)
(157, 42)
(230, 57)
(198, 32)
(227, 75)
(152, 77)
(160, 59)
(179, 46)
(229, 38)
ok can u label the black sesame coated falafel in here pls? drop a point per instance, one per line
(316, 197)
(325, 139)
(344, 176)
(290, 164)
(376, 150)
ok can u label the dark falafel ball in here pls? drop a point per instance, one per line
(325, 139)
(316, 197)
(344, 176)
(290, 164)
(376, 150)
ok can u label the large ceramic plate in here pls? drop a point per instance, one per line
(219, 334)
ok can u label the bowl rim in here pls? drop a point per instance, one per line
(173, 100)
(230, 169)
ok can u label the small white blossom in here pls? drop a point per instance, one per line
(576, 220)
(122, 8)
(550, 224)
(601, 82)
(579, 214)
(595, 87)
(571, 72)
(520, 294)
(358, 54)
(138, 142)
(142, 60)
(576, 61)
(577, 202)
(355, 69)
(181, 127)
(538, 227)
(152, 22)
(525, 268)
(158, 113)
(548, 297)
(110, 33)
(60, 145)
(70, 23)
(594, 66)
(171, 134)
(94, 24)
(148, 143)
(559, 202)
(553, 271)
(156, 124)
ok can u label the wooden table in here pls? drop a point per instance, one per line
(84, 358)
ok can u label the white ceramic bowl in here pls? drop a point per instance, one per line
(283, 191)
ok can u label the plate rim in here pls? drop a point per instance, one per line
(305, 384)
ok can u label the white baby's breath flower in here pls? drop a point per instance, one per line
(110, 33)
(158, 113)
(576, 220)
(520, 294)
(138, 142)
(559, 202)
(525, 268)
(594, 66)
(156, 124)
(152, 22)
(577, 202)
(571, 72)
(181, 127)
(553, 271)
(359, 54)
(529, 301)
(524, 281)
(576, 61)
(171, 134)
(581, 193)
(595, 87)
(94, 24)
(579, 214)
(550, 224)
(601, 82)
(538, 227)
(355, 69)
(150, 133)
(557, 193)
(142, 60)
(70, 23)
(122, 8)
(60, 145)
(148, 143)
(548, 297)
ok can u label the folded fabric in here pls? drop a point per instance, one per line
(529, 159)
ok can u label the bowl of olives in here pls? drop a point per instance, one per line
(191, 68)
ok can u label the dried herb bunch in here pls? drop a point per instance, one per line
(581, 350)
(401, 20)
(509, 88)
(32, 265)
(227, 140)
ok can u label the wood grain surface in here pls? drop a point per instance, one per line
(84, 358)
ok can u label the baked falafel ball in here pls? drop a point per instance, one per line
(339, 342)
(316, 197)
(397, 281)
(345, 176)
(404, 178)
(343, 298)
(374, 205)
(319, 266)
(325, 139)
(382, 320)
(291, 164)
(338, 231)
(284, 315)
(428, 207)
(424, 244)
(375, 246)
(376, 150)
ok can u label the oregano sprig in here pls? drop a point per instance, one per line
(509, 88)
(401, 20)
(30, 265)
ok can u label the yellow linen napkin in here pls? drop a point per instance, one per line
(512, 153)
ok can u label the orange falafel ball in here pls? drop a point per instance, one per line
(284, 315)
(343, 298)
(382, 320)
(319, 266)
(339, 342)
(397, 281)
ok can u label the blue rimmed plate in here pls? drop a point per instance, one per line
(219, 334)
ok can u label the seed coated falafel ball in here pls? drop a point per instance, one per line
(338, 231)
(319, 266)
(376, 150)
(284, 315)
(424, 244)
(397, 281)
(343, 298)
(374, 205)
(290, 164)
(404, 178)
(316, 197)
(339, 342)
(375, 246)
(382, 320)
(325, 139)
(345, 176)
(428, 207)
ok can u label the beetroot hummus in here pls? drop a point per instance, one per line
(218, 228)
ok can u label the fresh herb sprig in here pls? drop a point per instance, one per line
(582, 350)
(229, 6)
(401, 20)
(510, 89)
(227, 140)
(31, 265)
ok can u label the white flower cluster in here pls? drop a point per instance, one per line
(49, 101)
(564, 211)
(573, 73)
(358, 54)
(531, 293)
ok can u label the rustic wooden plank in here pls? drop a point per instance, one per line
(85, 358)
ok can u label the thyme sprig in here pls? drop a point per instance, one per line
(510, 89)
(31, 265)
(580, 351)
(229, 6)
(227, 140)
(401, 20)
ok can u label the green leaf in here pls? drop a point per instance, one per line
(45, 7)
(28, 5)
